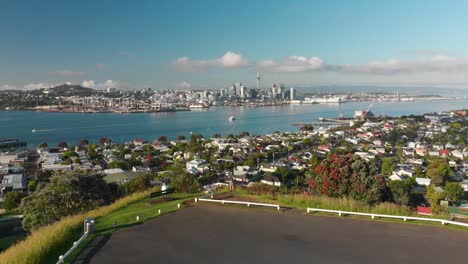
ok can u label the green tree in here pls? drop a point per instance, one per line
(140, 183)
(349, 176)
(401, 190)
(62, 144)
(439, 171)
(434, 197)
(32, 185)
(388, 165)
(183, 182)
(314, 161)
(453, 191)
(66, 194)
(43, 145)
(12, 200)
(120, 164)
(84, 142)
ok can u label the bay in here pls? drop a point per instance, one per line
(73, 127)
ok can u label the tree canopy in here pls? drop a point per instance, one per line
(349, 176)
(66, 194)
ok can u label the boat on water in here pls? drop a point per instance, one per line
(232, 118)
(198, 106)
(34, 130)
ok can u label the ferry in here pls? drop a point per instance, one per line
(232, 118)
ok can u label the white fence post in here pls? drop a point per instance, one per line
(278, 207)
(339, 213)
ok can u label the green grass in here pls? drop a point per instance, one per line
(126, 217)
(344, 204)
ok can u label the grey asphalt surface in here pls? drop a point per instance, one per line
(214, 234)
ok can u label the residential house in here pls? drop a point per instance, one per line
(13, 183)
(271, 180)
(423, 181)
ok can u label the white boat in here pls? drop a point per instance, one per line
(198, 106)
(34, 130)
(232, 118)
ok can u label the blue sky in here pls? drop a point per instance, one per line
(211, 44)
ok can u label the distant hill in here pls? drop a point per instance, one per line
(70, 90)
(67, 90)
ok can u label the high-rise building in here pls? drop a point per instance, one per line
(258, 81)
(243, 91)
(292, 94)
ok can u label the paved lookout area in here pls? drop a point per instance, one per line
(214, 234)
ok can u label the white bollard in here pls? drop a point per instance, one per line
(404, 219)
(196, 199)
(159, 211)
(248, 204)
(373, 216)
(278, 207)
(138, 218)
(178, 205)
(443, 222)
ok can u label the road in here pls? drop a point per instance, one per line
(215, 234)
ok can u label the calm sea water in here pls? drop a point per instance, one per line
(73, 127)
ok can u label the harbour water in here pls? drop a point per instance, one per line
(73, 127)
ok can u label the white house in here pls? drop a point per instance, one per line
(271, 180)
(423, 181)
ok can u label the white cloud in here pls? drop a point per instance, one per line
(100, 66)
(435, 64)
(184, 85)
(104, 85)
(7, 87)
(228, 60)
(438, 63)
(293, 64)
(33, 86)
(66, 73)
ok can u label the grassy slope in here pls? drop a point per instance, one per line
(300, 201)
(47, 243)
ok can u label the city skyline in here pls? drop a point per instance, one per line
(210, 45)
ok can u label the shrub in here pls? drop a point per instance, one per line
(66, 194)
(12, 200)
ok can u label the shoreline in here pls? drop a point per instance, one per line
(416, 99)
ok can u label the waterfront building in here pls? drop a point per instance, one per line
(292, 94)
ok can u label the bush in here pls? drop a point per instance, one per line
(185, 183)
(140, 183)
(12, 200)
(66, 194)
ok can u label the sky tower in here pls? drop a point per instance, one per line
(258, 81)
